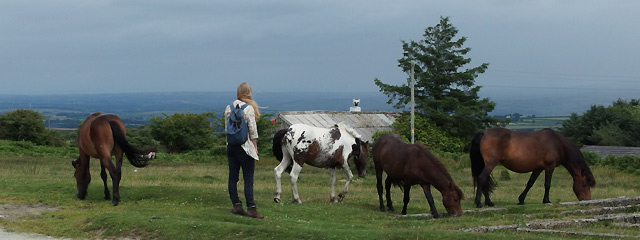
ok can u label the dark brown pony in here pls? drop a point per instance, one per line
(103, 136)
(527, 152)
(410, 164)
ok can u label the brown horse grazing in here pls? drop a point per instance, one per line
(527, 152)
(102, 136)
(410, 164)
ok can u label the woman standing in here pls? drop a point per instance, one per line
(243, 156)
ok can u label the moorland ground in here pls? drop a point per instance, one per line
(188, 200)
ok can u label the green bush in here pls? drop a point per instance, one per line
(25, 148)
(453, 160)
(183, 132)
(428, 134)
(28, 125)
(592, 158)
(626, 163)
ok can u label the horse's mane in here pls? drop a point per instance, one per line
(574, 153)
(441, 167)
(435, 160)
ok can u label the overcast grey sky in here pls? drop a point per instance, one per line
(59, 47)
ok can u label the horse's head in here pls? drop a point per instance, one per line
(360, 155)
(451, 200)
(83, 177)
(583, 179)
(582, 184)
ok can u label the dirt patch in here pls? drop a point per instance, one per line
(13, 212)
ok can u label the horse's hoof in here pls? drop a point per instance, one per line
(436, 215)
(390, 209)
(382, 209)
(520, 203)
(277, 200)
(333, 199)
(114, 203)
(490, 204)
(340, 197)
(478, 205)
(298, 201)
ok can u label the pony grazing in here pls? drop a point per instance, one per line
(102, 136)
(410, 164)
(319, 147)
(527, 152)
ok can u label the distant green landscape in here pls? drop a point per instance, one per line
(68, 111)
(537, 123)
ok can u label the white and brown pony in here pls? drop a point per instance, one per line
(319, 147)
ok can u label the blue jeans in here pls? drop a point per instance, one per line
(238, 158)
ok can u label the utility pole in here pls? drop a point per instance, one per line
(413, 103)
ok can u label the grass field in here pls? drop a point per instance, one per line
(169, 200)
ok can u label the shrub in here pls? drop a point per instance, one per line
(183, 132)
(592, 158)
(27, 125)
(25, 148)
(428, 134)
(625, 163)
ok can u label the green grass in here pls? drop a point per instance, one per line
(181, 200)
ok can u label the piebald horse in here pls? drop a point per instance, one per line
(522, 152)
(319, 147)
(103, 136)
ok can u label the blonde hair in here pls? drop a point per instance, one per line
(244, 94)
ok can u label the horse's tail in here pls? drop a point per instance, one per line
(277, 146)
(137, 158)
(397, 182)
(477, 162)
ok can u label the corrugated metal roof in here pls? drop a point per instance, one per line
(612, 150)
(365, 123)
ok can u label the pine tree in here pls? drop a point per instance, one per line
(443, 93)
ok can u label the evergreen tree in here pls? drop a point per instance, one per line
(443, 92)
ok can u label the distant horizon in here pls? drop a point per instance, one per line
(160, 92)
(554, 102)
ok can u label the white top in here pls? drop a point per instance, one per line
(249, 115)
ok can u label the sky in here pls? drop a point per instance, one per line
(66, 47)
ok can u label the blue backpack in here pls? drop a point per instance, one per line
(237, 128)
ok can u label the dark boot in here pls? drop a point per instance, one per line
(252, 212)
(237, 209)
